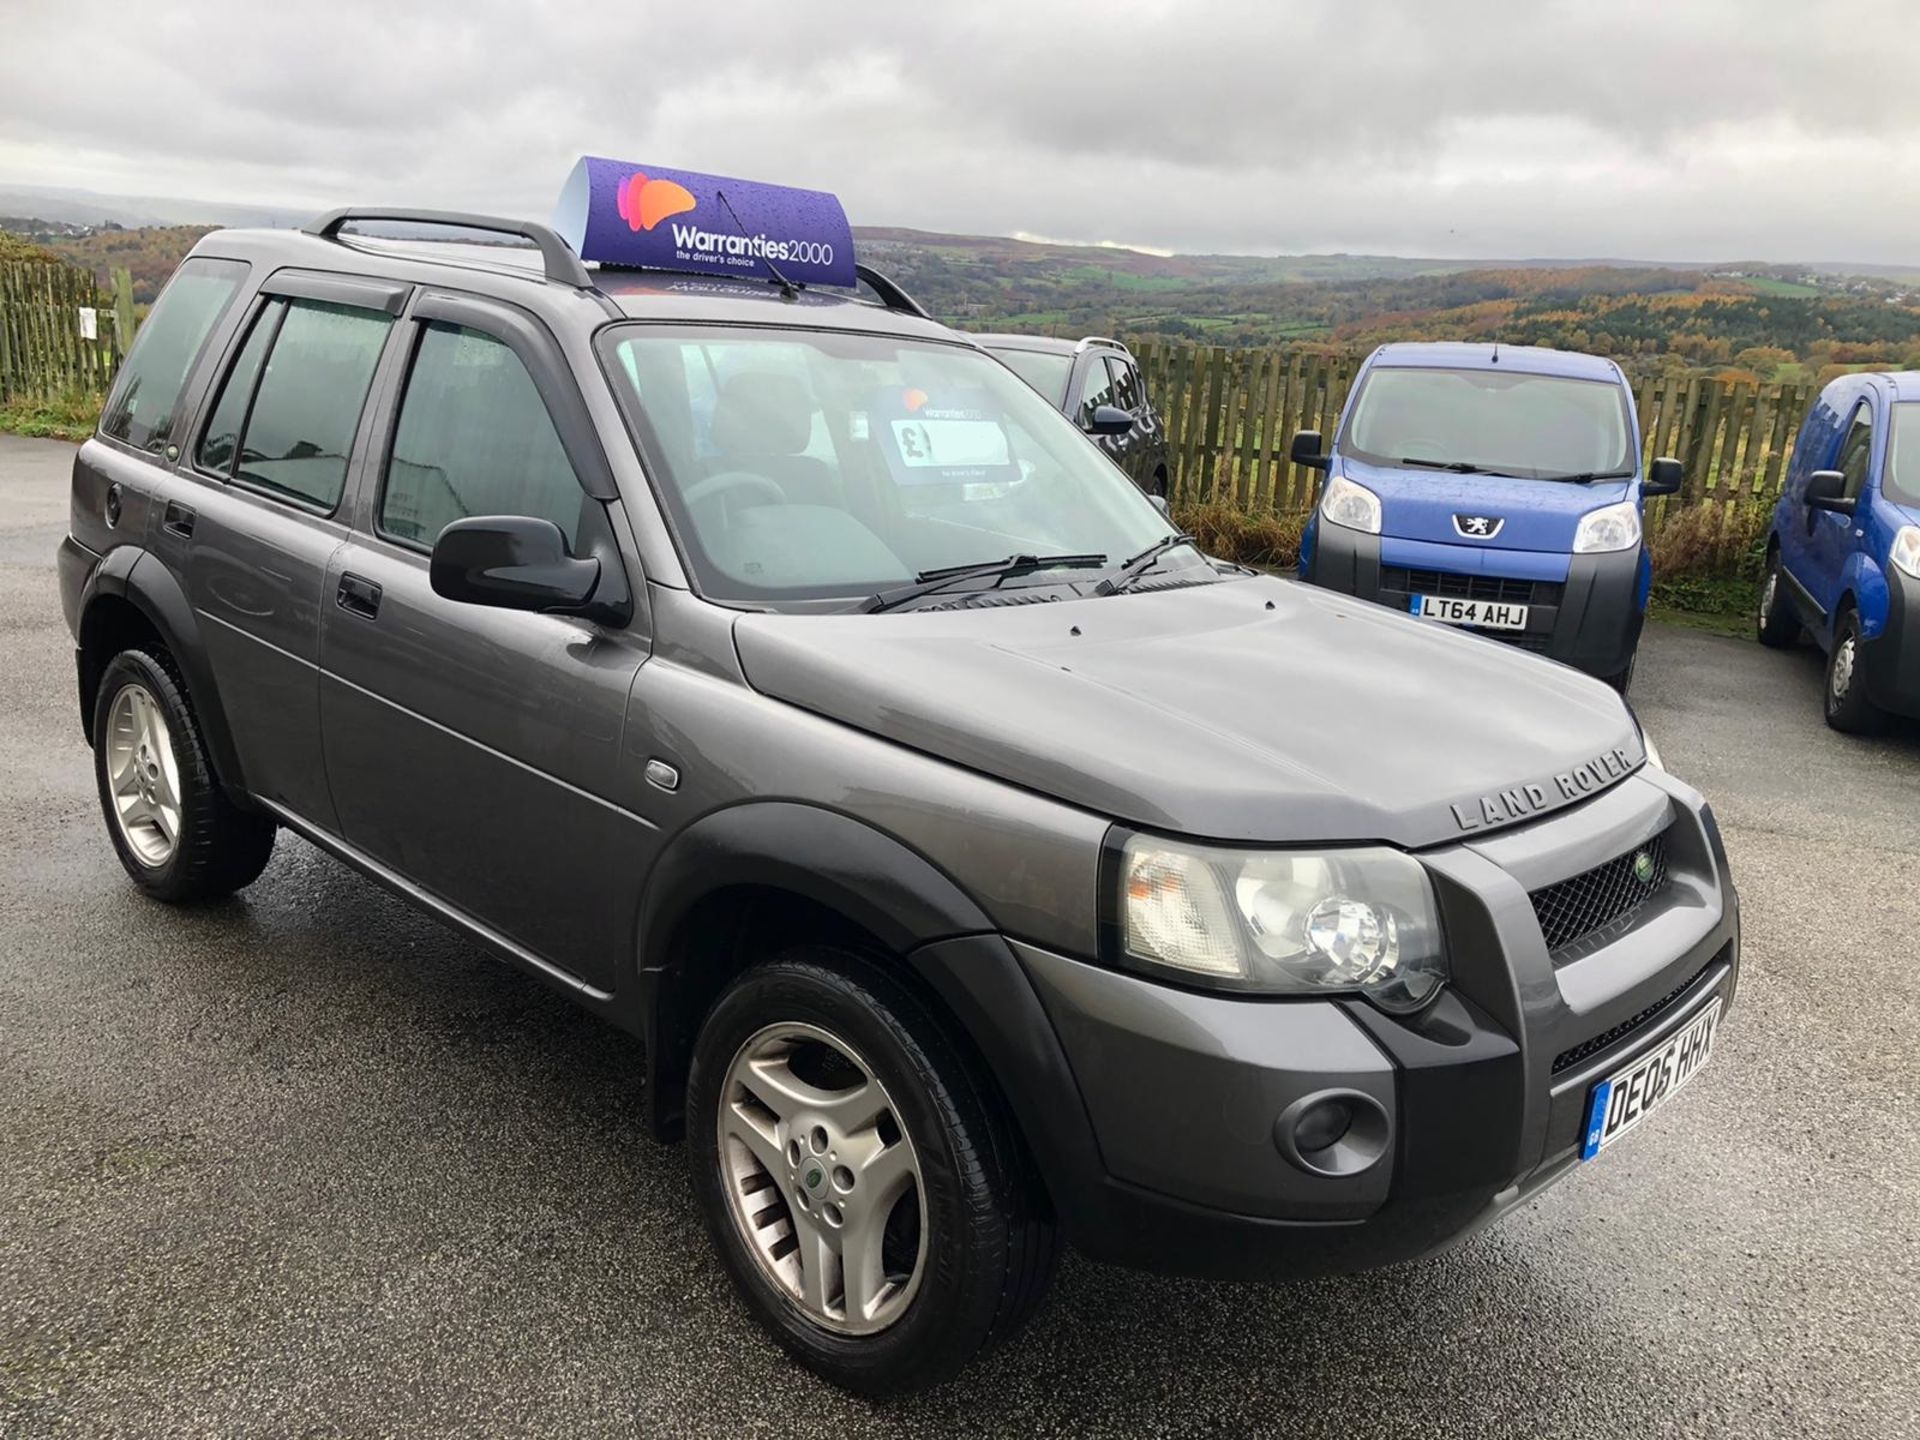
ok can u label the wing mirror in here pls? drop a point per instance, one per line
(1663, 477)
(1826, 490)
(1309, 449)
(1107, 420)
(513, 562)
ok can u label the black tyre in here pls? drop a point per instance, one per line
(862, 1182)
(1848, 708)
(1779, 624)
(176, 832)
(1624, 679)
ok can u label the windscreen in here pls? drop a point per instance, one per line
(1045, 373)
(801, 465)
(1902, 482)
(1507, 422)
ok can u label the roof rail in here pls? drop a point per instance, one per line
(1087, 342)
(891, 295)
(556, 255)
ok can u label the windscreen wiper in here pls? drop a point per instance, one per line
(1458, 467)
(1587, 477)
(1141, 564)
(928, 581)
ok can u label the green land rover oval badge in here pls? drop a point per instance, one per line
(1643, 867)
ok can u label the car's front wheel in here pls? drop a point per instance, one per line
(174, 829)
(1848, 708)
(865, 1188)
(1779, 626)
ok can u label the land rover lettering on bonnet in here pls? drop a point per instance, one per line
(779, 676)
(1522, 801)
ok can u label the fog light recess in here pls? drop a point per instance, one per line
(1333, 1132)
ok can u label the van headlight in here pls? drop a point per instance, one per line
(1612, 527)
(1282, 922)
(1906, 550)
(1352, 505)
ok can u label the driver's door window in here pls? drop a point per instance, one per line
(474, 438)
(1096, 389)
(1856, 452)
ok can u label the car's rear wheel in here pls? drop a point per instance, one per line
(1848, 708)
(175, 831)
(865, 1189)
(1779, 625)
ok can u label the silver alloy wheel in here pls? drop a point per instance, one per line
(1771, 588)
(143, 775)
(1842, 680)
(822, 1180)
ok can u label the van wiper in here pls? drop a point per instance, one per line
(1140, 564)
(1587, 477)
(1458, 467)
(928, 581)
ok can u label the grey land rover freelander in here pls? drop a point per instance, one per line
(786, 681)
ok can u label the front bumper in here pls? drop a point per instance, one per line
(1151, 1111)
(1890, 662)
(1591, 621)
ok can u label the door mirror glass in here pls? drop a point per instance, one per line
(1108, 420)
(1663, 477)
(1309, 449)
(1826, 490)
(513, 562)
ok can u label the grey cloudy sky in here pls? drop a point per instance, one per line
(1689, 129)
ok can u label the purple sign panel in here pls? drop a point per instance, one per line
(646, 216)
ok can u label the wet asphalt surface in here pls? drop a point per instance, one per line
(304, 1163)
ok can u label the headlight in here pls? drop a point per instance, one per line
(1613, 527)
(1351, 505)
(1282, 922)
(1906, 550)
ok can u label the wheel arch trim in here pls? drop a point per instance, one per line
(132, 574)
(869, 878)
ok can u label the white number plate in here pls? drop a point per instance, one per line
(1489, 614)
(1622, 1101)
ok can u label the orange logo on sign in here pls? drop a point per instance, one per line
(645, 203)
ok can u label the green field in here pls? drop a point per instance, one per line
(1790, 288)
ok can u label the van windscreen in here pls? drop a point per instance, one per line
(1509, 423)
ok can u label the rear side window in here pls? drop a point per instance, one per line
(291, 405)
(474, 438)
(147, 395)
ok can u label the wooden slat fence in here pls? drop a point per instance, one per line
(1230, 415)
(42, 350)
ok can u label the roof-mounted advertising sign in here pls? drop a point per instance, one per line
(618, 213)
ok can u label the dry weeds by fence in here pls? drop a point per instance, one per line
(1230, 415)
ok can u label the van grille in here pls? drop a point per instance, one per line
(1500, 588)
(1571, 910)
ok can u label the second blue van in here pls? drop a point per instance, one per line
(1843, 553)
(1493, 487)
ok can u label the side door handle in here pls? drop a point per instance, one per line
(177, 519)
(357, 596)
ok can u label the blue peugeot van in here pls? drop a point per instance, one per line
(1492, 487)
(1843, 558)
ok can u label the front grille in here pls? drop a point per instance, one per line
(1571, 910)
(1587, 1049)
(1500, 588)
